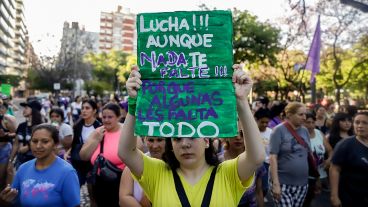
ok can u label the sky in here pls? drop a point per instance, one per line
(45, 18)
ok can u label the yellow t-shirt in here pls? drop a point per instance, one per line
(158, 183)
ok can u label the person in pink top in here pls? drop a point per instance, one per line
(106, 193)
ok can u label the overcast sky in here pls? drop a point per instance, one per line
(45, 18)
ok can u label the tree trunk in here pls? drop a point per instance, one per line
(338, 94)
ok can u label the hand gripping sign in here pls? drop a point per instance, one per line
(185, 59)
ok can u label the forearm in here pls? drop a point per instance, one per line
(128, 142)
(128, 151)
(14, 149)
(274, 169)
(334, 180)
(255, 152)
(88, 148)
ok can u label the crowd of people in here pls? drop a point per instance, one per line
(45, 160)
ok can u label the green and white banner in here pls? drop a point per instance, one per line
(185, 59)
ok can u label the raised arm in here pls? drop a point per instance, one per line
(128, 151)
(254, 154)
(92, 143)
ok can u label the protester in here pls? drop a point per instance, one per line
(65, 131)
(319, 146)
(341, 128)
(106, 193)
(321, 119)
(47, 180)
(76, 108)
(193, 158)
(262, 117)
(33, 117)
(131, 193)
(82, 130)
(233, 147)
(288, 159)
(123, 110)
(8, 126)
(276, 114)
(349, 167)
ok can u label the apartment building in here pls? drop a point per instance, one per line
(7, 24)
(117, 31)
(20, 38)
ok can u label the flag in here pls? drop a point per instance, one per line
(313, 55)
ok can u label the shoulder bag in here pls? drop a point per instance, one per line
(312, 162)
(104, 169)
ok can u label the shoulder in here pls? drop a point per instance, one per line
(63, 166)
(22, 126)
(29, 165)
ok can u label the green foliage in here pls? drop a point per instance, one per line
(10, 79)
(110, 70)
(254, 41)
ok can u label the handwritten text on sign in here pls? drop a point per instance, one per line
(184, 59)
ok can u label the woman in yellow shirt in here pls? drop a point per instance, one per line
(192, 159)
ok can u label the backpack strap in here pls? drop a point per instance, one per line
(182, 195)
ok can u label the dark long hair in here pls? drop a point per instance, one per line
(93, 104)
(50, 128)
(170, 159)
(334, 136)
(36, 117)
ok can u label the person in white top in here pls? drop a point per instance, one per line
(76, 108)
(130, 192)
(319, 146)
(262, 117)
(65, 131)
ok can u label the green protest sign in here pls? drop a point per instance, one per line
(185, 59)
(6, 89)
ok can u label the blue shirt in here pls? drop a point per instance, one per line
(54, 186)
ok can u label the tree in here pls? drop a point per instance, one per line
(106, 66)
(345, 27)
(254, 41)
(42, 76)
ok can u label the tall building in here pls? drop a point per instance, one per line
(20, 38)
(76, 42)
(7, 24)
(117, 31)
(76, 39)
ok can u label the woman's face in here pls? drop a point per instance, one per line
(263, 123)
(156, 146)
(109, 119)
(361, 126)
(298, 118)
(310, 124)
(345, 125)
(321, 111)
(87, 111)
(237, 143)
(55, 117)
(189, 151)
(27, 112)
(42, 144)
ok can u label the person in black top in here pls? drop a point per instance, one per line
(81, 130)
(349, 168)
(33, 117)
(341, 128)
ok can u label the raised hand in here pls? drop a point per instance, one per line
(8, 194)
(242, 82)
(134, 82)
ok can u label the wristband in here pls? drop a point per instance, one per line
(132, 105)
